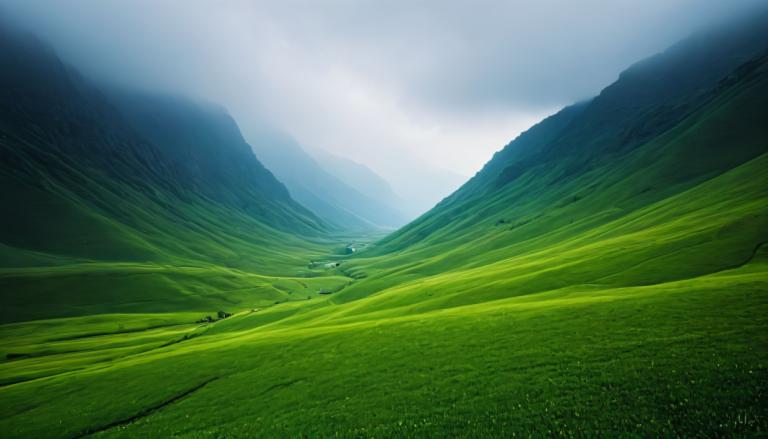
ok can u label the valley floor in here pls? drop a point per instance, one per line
(685, 357)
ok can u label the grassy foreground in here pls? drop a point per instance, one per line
(685, 357)
(547, 341)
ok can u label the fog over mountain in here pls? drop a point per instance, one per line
(407, 219)
(423, 93)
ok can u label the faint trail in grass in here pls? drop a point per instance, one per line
(146, 412)
(124, 331)
(751, 256)
(281, 385)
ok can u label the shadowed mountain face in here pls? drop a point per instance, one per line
(144, 179)
(203, 144)
(342, 203)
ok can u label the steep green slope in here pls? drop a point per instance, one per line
(689, 202)
(555, 164)
(85, 186)
(203, 144)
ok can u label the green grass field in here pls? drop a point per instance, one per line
(588, 359)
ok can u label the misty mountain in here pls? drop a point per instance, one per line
(432, 184)
(346, 205)
(202, 143)
(362, 178)
(668, 123)
(142, 180)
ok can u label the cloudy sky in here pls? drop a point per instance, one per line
(391, 84)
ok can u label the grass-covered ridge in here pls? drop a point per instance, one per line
(612, 284)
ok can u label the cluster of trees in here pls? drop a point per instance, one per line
(219, 316)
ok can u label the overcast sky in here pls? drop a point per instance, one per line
(441, 82)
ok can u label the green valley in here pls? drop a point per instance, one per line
(605, 274)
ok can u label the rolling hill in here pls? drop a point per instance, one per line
(605, 274)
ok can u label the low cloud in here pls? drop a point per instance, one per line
(442, 84)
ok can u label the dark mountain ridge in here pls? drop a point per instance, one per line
(99, 180)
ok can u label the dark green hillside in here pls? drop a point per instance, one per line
(162, 183)
(647, 100)
(688, 202)
(203, 144)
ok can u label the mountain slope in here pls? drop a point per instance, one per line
(312, 185)
(85, 187)
(648, 99)
(204, 145)
(555, 189)
(363, 179)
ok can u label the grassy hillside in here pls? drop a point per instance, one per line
(612, 284)
(644, 360)
(541, 214)
(104, 213)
